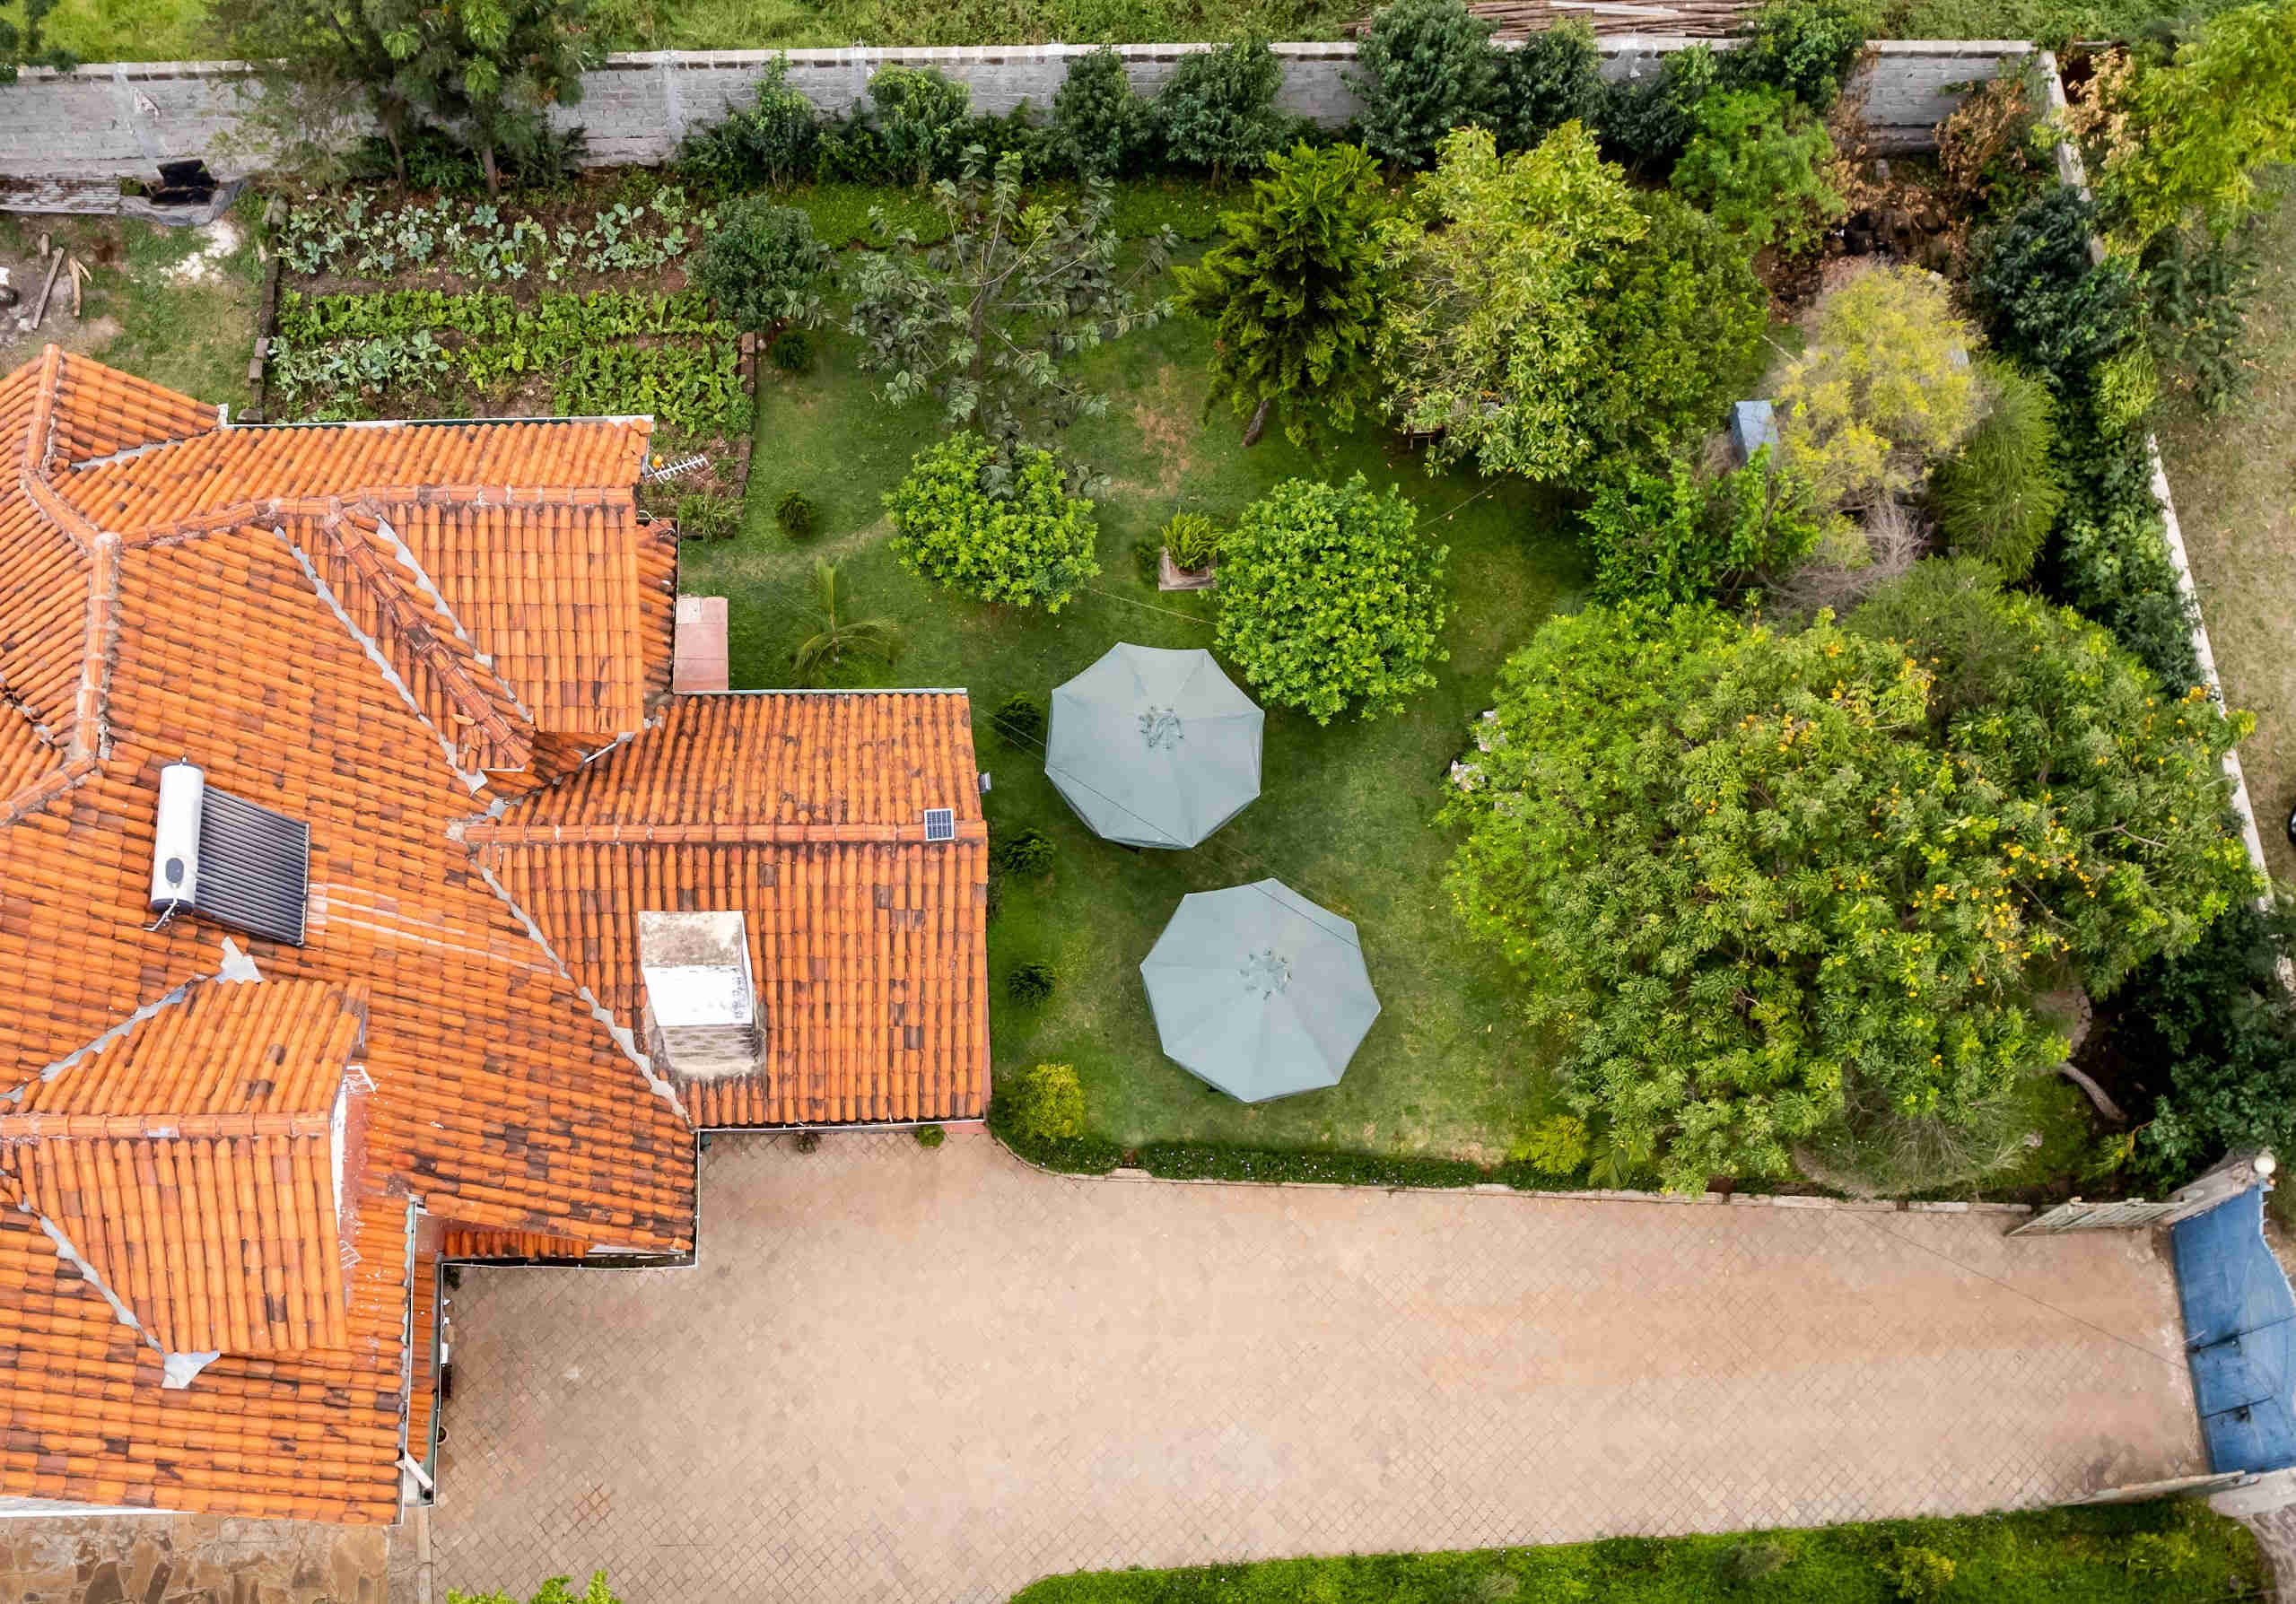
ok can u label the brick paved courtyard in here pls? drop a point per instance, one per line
(897, 1373)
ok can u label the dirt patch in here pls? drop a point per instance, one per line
(218, 242)
(24, 274)
(1166, 414)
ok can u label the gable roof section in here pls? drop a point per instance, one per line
(806, 812)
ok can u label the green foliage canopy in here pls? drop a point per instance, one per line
(1293, 290)
(1999, 496)
(1329, 597)
(997, 528)
(1684, 538)
(1220, 111)
(1427, 67)
(919, 117)
(1804, 47)
(1757, 161)
(1101, 127)
(489, 68)
(762, 267)
(1553, 77)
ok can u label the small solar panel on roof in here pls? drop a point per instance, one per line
(255, 867)
(940, 823)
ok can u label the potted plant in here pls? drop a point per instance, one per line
(1191, 552)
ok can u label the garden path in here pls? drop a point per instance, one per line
(901, 1373)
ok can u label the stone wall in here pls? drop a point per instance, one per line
(190, 1559)
(123, 119)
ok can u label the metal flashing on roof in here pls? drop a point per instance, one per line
(940, 823)
(254, 867)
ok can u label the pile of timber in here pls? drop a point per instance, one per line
(1694, 19)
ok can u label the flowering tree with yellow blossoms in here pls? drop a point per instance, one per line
(1749, 872)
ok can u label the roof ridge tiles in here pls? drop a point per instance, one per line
(17, 1129)
(488, 832)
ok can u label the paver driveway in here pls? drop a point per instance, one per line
(904, 1374)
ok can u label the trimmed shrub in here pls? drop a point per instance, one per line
(1757, 161)
(702, 517)
(1804, 48)
(1556, 1146)
(1031, 984)
(1043, 1103)
(1220, 111)
(919, 117)
(1329, 598)
(1427, 68)
(2111, 560)
(1100, 127)
(1556, 77)
(1997, 498)
(995, 529)
(1193, 541)
(792, 351)
(793, 513)
(1025, 854)
(762, 267)
(1020, 720)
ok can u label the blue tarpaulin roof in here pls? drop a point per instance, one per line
(2239, 1335)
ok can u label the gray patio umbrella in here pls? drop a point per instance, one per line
(1258, 991)
(1154, 748)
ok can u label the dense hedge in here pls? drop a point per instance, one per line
(2108, 1554)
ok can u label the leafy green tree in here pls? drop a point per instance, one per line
(1328, 599)
(764, 267)
(1804, 47)
(1427, 68)
(1646, 121)
(1885, 387)
(775, 140)
(317, 65)
(489, 69)
(1757, 161)
(1997, 498)
(1553, 77)
(1100, 127)
(21, 47)
(1490, 344)
(985, 319)
(1687, 537)
(1680, 331)
(995, 526)
(2046, 300)
(2196, 131)
(1220, 111)
(1292, 291)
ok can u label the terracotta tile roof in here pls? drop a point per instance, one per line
(381, 632)
(807, 814)
(422, 1327)
(462, 1243)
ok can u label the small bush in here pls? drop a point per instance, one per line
(1685, 538)
(1556, 77)
(921, 118)
(1755, 1560)
(774, 141)
(1999, 497)
(793, 513)
(1329, 598)
(1031, 984)
(1757, 161)
(1804, 47)
(2199, 290)
(1020, 720)
(1427, 68)
(995, 529)
(1043, 1103)
(1219, 112)
(1645, 122)
(1556, 1146)
(1193, 541)
(1994, 148)
(1025, 854)
(2045, 301)
(792, 353)
(807, 1141)
(930, 1135)
(762, 267)
(702, 517)
(1918, 1574)
(1100, 127)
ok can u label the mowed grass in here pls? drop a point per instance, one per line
(1346, 814)
(2234, 481)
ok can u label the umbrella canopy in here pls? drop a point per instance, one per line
(1258, 991)
(1154, 748)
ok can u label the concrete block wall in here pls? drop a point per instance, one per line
(122, 119)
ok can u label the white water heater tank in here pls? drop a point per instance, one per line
(175, 844)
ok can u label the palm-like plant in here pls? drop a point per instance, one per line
(820, 655)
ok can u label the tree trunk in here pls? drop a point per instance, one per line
(1259, 423)
(493, 174)
(980, 330)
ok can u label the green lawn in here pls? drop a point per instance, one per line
(2167, 1553)
(1346, 815)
